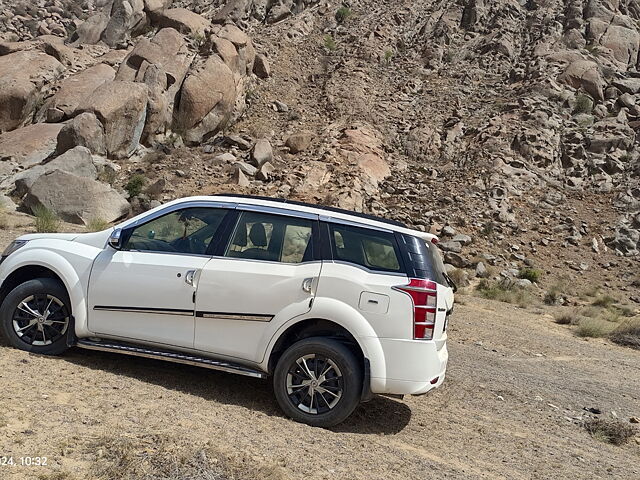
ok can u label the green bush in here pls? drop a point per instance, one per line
(342, 14)
(46, 220)
(135, 185)
(584, 104)
(330, 43)
(530, 274)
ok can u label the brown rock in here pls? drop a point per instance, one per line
(83, 130)
(29, 145)
(261, 153)
(90, 31)
(127, 16)
(75, 89)
(155, 5)
(240, 178)
(23, 75)
(584, 74)
(299, 142)
(261, 67)
(183, 20)
(121, 107)
(206, 100)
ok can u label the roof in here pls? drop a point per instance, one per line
(294, 206)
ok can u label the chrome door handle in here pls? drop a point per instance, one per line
(307, 285)
(189, 277)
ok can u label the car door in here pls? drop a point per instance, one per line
(265, 276)
(145, 291)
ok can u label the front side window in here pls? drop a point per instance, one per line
(369, 248)
(276, 238)
(188, 231)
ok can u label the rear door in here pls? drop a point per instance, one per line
(266, 275)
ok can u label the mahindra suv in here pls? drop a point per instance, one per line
(334, 306)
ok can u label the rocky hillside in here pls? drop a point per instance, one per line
(507, 127)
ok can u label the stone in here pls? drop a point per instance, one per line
(126, 17)
(90, 31)
(585, 74)
(261, 67)
(628, 85)
(29, 145)
(76, 199)
(183, 20)
(83, 130)
(451, 246)
(299, 142)
(207, 99)
(461, 238)
(448, 231)
(224, 158)
(74, 89)
(121, 107)
(623, 43)
(246, 168)
(235, 141)
(77, 161)
(240, 178)
(155, 5)
(261, 153)
(23, 75)
(265, 172)
(455, 259)
(481, 270)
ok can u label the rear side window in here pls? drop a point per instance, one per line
(368, 248)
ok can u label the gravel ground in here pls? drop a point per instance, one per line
(511, 407)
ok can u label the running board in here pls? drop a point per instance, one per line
(176, 357)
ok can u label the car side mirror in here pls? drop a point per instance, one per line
(115, 239)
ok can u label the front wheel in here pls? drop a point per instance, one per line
(318, 381)
(36, 317)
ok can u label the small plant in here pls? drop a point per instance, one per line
(97, 224)
(603, 301)
(530, 274)
(487, 228)
(584, 104)
(46, 220)
(4, 218)
(197, 40)
(552, 295)
(459, 277)
(342, 14)
(330, 43)
(135, 185)
(594, 328)
(611, 431)
(388, 55)
(505, 290)
(627, 334)
(566, 318)
(108, 175)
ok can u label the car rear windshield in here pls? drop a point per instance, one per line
(423, 260)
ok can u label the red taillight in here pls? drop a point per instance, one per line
(424, 296)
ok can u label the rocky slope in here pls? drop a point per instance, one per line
(510, 122)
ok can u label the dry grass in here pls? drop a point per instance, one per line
(566, 318)
(594, 327)
(615, 432)
(627, 334)
(459, 277)
(97, 225)
(506, 291)
(604, 301)
(46, 220)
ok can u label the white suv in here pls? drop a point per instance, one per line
(334, 305)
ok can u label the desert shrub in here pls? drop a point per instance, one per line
(603, 301)
(108, 175)
(459, 277)
(611, 431)
(530, 274)
(552, 295)
(135, 185)
(342, 14)
(329, 43)
(584, 104)
(594, 327)
(4, 217)
(505, 290)
(46, 220)
(388, 55)
(627, 334)
(97, 224)
(566, 318)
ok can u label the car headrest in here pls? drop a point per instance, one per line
(241, 235)
(258, 235)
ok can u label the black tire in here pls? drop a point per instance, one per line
(342, 380)
(47, 336)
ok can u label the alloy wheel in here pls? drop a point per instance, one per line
(40, 320)
(314, 384)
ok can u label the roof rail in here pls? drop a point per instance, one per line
(313, 205)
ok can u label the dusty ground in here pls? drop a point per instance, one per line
(510, 408)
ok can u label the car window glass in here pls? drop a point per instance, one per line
(276, 238)
(369, 248)
(186, 231)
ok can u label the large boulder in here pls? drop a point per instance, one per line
(29, 145)
(77, 161)
(76, 199)
(584, 74)
(83, 130)
(90, 31)
(24, 73)
(623, 43)
(127, 17)
(121, 107)
(183, 20)
(206, 101)
(74, 90)
(162, 64)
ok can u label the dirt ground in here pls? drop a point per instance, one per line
(511, 407)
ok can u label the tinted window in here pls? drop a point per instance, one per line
(188, 231)
(369, 248)
(262, 236)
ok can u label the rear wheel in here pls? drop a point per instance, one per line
(36, 317)
(318, 381)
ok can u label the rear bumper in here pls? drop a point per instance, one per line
(411, 367)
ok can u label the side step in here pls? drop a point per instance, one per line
(177, 357)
